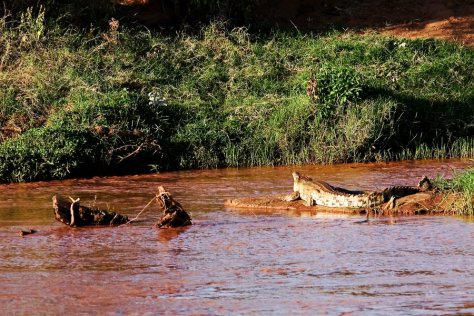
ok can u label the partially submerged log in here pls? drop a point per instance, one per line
(173, 213)
(30, 231)
(71, 213)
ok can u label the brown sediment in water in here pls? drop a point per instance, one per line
(423, 203)
(238, 261)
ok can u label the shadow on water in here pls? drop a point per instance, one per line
(166, 235)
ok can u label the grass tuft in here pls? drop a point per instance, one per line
(462, 183)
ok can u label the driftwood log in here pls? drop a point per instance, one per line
(30, 231)
(173, 213)
(71, 213)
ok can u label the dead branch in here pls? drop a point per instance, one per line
(173, 213)
(71, 213)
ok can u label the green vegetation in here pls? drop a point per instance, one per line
(86, 101)
(462, 183)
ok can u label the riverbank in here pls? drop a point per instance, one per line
(416, 204)
(425, 203)
(81, 102)
(453, 196)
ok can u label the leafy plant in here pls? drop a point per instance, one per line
(45, 154)
(338, 87)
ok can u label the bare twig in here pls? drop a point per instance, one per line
(136, 151)
(136, 217)
(74, 201)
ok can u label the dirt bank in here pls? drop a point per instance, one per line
(447, 20)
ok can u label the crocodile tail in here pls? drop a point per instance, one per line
(399, 191)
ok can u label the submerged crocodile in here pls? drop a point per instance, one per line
(321, 193)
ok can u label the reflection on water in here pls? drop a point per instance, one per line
(233, 262)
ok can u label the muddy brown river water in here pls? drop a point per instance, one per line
(230, 261)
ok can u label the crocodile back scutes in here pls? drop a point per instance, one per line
(322, 193)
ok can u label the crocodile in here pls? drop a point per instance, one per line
(322, 193)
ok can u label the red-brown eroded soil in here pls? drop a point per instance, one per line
(443, 19)
(447, 20)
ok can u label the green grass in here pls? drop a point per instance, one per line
(226, 97)
(462, 183)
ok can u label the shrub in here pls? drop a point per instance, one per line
(45, 153)
(337, 87)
